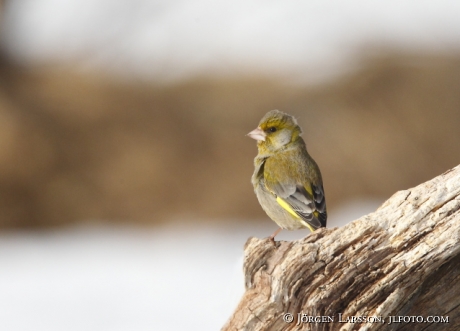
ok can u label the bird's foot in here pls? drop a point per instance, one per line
(272, 237)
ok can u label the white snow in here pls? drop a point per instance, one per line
(176, 39)
(178, 277)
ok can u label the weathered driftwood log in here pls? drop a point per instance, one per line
(395, 269)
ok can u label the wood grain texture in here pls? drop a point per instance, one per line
(401, 260)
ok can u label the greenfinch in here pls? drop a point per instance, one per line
(287, 181)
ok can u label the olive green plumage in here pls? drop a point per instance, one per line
(287, 181)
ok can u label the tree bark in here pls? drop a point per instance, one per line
(397, 268)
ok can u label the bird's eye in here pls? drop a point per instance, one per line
(272, 129)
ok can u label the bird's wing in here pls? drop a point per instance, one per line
(302, 201)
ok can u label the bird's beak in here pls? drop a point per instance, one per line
(257, 134)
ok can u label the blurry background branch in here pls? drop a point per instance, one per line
(401, 260)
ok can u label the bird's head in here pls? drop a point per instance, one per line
(276, 129)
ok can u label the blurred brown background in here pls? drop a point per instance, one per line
(79, 147)
(124, 161)
(91, 147)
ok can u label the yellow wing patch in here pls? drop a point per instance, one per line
(308, 189)
(288, 208)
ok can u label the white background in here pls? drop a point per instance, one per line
(175, 39)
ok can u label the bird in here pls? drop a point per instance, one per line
(286, 179)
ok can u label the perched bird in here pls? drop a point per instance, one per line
(286, 179)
